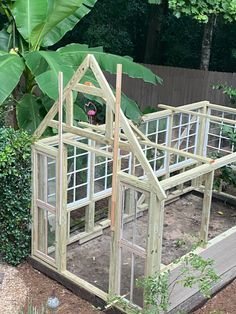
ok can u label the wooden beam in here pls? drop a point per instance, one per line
(133, 141)
(178, 152)
(69, 108)
(90, 208)
(47, 150)
(115, 255)
(109, 122)
(116, 145)
(222, 108)
(168, 143)
(54, 109)
(90, 90)
(61, 190)
(155, 233)
(134, 181)
(34, 210)
(206, 206)
(89, 134)
(167, 112)
(88, 148)
(211, 117)
(197, 171)
(97, 128)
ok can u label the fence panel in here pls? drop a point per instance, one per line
(180, 86)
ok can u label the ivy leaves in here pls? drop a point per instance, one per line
(15, 179)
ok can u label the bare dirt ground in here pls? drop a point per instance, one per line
(24, 283)
(223, 302)
(181, 229)
(181, 226)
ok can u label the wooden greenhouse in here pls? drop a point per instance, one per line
(101, 192)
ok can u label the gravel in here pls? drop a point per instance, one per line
(13, 291)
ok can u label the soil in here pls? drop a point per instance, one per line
(223, 302)
(182, 222)
(91, 261)
(40, 287)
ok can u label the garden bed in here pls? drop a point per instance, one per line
(90, 261)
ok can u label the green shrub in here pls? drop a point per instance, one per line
(15, 194)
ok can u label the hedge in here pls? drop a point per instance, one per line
(15, 195)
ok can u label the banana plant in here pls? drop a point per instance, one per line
(29, 69)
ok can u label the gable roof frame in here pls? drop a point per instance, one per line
(106, 93)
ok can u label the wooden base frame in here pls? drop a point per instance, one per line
(170, 154)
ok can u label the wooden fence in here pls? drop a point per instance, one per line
(180, 86)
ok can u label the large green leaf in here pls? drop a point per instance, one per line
(154, 1)
(30, 112)
(28, 15)
(74, 54)
(5, 40)
(67, 24)
(11, 68)
(129, 106)
(45, 65)
(53, 25)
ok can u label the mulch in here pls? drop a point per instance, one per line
(224, 302)
(41, 288)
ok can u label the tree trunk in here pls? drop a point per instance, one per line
(207, 42)
(10, 117)
(153, 33)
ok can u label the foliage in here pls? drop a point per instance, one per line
(202, 9)
(149, 110)
(15, 179)
(180, 38)
(32, 309)
(227, 90)
(3, 112)
(197, 271)
(120, 29)
(156, 293)
(226, 175)
(194, 271)
(29, 34)
(209, 14)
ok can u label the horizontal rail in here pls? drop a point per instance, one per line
(211, 117)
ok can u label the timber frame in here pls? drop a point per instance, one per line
(170, 154)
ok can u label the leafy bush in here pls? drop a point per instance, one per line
(15, 177)
(227, 90)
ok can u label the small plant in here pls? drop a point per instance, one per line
(180, 243)
(31, 309)
(156, 293)
(195, 271)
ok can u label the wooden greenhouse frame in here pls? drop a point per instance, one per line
(177, 161)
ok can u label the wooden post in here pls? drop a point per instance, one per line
(90, 209)
(34, 209)
(116, 145)
(155, 233)
(206, 210)
(201, 139)
(169, 138)
(109, 123)
(69, 109)
(61, 214)
(114, 277)
(115, 259)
